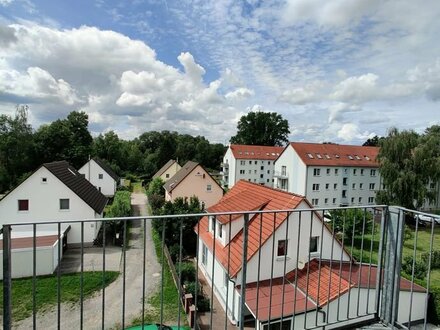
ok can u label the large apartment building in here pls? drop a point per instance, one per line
(250, 163)
(329, 175)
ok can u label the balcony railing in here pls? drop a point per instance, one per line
(280, 174)
(283, 269)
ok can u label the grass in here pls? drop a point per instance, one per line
(170, 295)
(137, 187)
(46, 291)
(423, 245)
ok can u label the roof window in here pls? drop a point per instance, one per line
(367, 158)
(350, 157)
(310, 156)
(337, 156)
(327, 156)
(357, 157)
(319, 156)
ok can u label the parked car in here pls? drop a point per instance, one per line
(426, 219)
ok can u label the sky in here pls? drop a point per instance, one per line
(339, 71)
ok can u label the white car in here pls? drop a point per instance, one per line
(426, 219)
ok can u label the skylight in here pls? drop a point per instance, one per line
(367, 158)
(327, 156)
(337, 156)
(350, 157)
(319, 156)
(310, 156)
(357, 157)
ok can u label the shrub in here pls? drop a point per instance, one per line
(156, 203)
(351, 221)
(203, 304)
(155, 187)
(435, 259)
(420, 267)
(188, 272)
(190, 287)
(174, 253)
(434, 305)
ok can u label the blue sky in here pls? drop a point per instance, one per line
(337, 70)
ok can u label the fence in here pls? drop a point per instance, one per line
(279, 269)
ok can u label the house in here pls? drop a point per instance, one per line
(193, 180)
(293, 262)
(168, 170)
(54, 192)
(329, 175)
(251, 163)
(101, 176)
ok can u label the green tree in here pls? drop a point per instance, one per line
(351, 222)
(408, 162)
(80, 138)
(373, 142)
(16, 147)
(156, 187)
(262, 128)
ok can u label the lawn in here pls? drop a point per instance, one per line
(137, 187)
(423, 245)
(170, 295)
(46, 291)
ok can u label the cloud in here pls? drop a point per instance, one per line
(337, 110)
(5, 2)
(7, 36)
(303, 95)
(350, 132)
(240, 93)
(357, 89)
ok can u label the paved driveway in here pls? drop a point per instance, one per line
(70, 314)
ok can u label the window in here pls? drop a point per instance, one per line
(315, 201)
(316, 172)
(23, 204)
(353, 186)
(220, 230)
(255, 171)
(250, 171)
(344, 193)
(370, 200)
(325, 201)
(250, 162)
(268, 171)
(167, 175)
(344, 181)
(208, 187)
(268, 163)
(255, 162)
(334, 201)
(335, 186)
(327, 185)
(354, 171)
(204, 254)
(372, 186)
(100, 176)
(336, 171)
(313, 247)
(361, 186)
(241, 171)
(310, 156)
(64, 204)
(362, 171)
(283, 170)
(286, 325)
(346, 170)
(373, 172)
(242, 162)
(267, 180)
(262, 168)
(43, 180)
(211, 223)
(261, 176)
(328, 171)
(352, 199)
(315, 187)
(282, 248)
(360, 199)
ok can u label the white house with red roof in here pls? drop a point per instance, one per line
(329, 175)
(250, 163)
(296, 270)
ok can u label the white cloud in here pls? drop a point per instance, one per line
(357, 89)
(5, 2)
(240, 93)
(350, 132)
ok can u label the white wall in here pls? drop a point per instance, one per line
(44, 205)
(107, 185)
(295, 230)
(21, 261)
(295, 171)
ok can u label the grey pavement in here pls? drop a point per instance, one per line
(70, 313)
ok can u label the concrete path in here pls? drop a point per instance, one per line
(70, 314)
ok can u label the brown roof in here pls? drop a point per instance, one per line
(241, 151)
(317, 154)
(164, 168)
(180, 175)
(28, 242)
(78, 184)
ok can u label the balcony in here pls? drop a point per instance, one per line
(306, 275)
(281, 175)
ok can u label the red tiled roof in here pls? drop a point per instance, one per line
(239, 197)
(242, 151)
(320, 285)
(317, 154)
(27, 242)
(283, 302)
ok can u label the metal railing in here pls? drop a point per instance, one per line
(278, 269)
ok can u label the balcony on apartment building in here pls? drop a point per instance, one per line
(281, 174)
(278, 269)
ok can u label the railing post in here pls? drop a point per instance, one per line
(393, 261)
(7, 282)
(243, 269)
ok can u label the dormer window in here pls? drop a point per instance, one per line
(211, 223)
(313, 247)
(282, 248)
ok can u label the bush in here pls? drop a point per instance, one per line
(156, 203)
(187, 270)
(434, 305)
(203, 304)
(420, 267)
(351, 221)
(155, 187)
(175, 252)
(435, 259)
(190, 287)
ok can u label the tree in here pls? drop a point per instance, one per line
(373, 142)
(262, 128)
(408, 162)
(351, 223)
